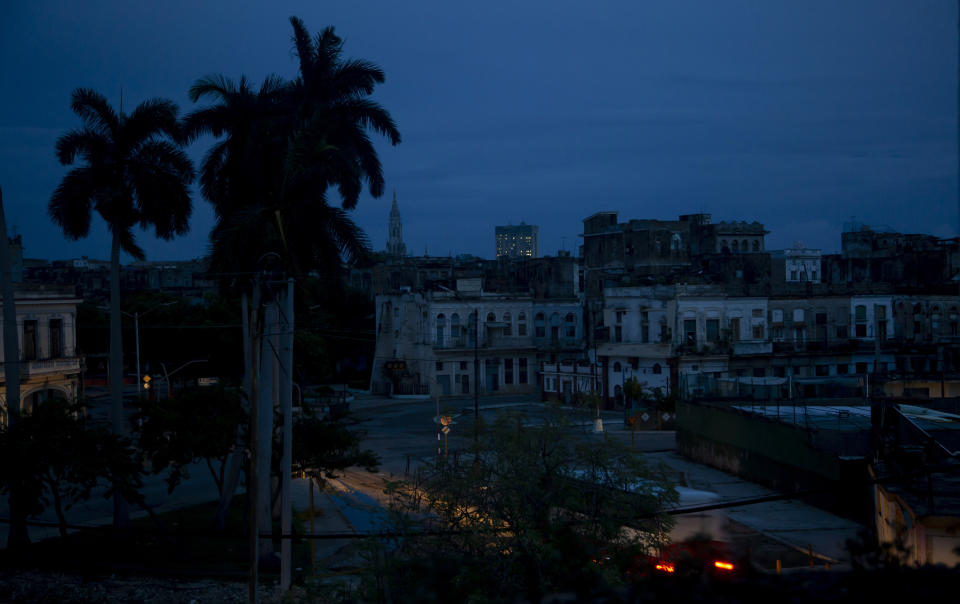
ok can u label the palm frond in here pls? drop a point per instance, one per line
(149, 119)
(94, 110)
(70, 204)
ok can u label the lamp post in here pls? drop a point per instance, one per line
(136, 332)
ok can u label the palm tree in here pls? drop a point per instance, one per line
(133, 173)
(283, 147)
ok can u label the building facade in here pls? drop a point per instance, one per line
(517, 241)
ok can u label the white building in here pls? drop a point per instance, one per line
(457, 343)
(46, 329)
(801, 264)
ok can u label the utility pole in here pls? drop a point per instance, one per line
(476, 365)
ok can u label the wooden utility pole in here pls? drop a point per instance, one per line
(252, 371)
(286, 462)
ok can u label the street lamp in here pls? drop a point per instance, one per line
(136, 330)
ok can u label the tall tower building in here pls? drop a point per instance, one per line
(517, 241)
(395, 245)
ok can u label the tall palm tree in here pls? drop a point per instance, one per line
(283, 148)
(133, 173)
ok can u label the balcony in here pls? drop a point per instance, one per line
(50, 366)
(747, 347)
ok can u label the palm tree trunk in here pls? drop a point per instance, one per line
(121, 510)
(18, 536)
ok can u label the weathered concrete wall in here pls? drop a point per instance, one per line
(787, 458)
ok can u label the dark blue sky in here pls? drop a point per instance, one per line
(796, 114)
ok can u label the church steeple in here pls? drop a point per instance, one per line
(395, 245)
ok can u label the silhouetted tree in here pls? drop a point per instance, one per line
(133, 173)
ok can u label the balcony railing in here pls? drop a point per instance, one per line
(61, 365)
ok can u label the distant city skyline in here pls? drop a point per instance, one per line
(799, 116)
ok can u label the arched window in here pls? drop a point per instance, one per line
(555, 326)
(724, 246)
(539, 327)
(736, 245)
(522, 324)
(471, 328)
(441, 324)
(756, 245)
(491, 317)
(743, 246)
(508, 327)
(656, 369)
(617, 368)
(570, 326)
(455, 325)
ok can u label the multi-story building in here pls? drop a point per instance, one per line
(517, 241)
(458, 342)
(46, 329)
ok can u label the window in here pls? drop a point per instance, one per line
(758, 332)
(617, 368)
(56, 338)
(756, 245)
(757, 313)
(634, 363)
(570, 326)
(861, 367)
(736, 245)
(822, 370)
(793, 275)
(777, 315)
(821, 318)
(657, 370)
(522, 324)
(441, 325)
(798, 315)
(539, 326)
(690, 331)
(778, 333)
(491, 318)
(735, 329)
(841, 331)
(779, 372)
(522, 364)
(644, 327)
(508, 328)
(713, 330)
(439, 365)
(555, 326)
(860, 316)
(455, 326)
(463, 365)
(507, 371)
(843, 368)
(618, 333)
(29, 340)
(759, 372)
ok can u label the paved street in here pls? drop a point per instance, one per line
(404, 434)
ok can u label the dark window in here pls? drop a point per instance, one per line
(841, 331)
(463, 365)
(822, 370)
(570, 325)
(56, 338)
(842, 368)
(439, 365)
(656, 369)
(861, 367)
(690, 331)
(821, 318)
(759, 372)
(713, 330)
(522, 363)
(617, 367)
(861, 330)
(539, 326)
(29, 340)
(507, 371)
(779, 372)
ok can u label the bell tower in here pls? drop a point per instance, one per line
(395, 245)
